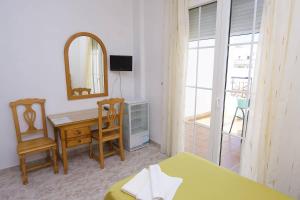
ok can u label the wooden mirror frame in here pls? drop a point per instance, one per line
(67, 67)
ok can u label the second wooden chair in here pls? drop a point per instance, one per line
(110, 129)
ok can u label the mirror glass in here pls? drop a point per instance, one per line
(86, 66)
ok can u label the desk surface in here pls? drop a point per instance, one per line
(69, 118)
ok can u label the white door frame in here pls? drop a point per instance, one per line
(219, 74)
(219, 78)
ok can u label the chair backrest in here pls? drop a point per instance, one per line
(30, 116)
(243, 103)
(80, 91)
(114, 108)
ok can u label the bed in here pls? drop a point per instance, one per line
(204, 180)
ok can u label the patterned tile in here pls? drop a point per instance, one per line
(85, 180)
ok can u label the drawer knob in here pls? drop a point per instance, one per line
(78, 132)
(79, 141)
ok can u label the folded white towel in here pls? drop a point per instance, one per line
(145, 192)
(163, 187)
(152, 184)
(137, 183)
(156, 182)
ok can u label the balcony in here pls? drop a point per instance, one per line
(197, 132)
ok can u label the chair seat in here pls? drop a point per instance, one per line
(35, 145)
(106, 136)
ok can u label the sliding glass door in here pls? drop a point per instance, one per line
(200, 79)
(222, 50)
(244, 29)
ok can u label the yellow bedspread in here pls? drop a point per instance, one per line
(203, 180)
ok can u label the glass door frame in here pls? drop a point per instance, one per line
(219, 78)
(220, 74)
(197, 87)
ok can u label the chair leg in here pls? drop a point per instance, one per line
(121, 149)
(91, 150)
(20, 161)
(243, 122)
(101, 155)
(233, 119)
(54, 156)
(23, 169)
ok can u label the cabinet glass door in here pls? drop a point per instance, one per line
(139, 118)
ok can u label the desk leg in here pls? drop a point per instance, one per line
(64, 152)
(56, 141)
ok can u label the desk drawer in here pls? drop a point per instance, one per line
(79, 140)
(77, 132)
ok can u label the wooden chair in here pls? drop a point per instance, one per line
(41, 144)
(110, 129)
(81, 91)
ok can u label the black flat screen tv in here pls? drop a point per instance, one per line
(120, 63)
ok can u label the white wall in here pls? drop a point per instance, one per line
(148, 26)
(154, 63)
(139, 48)
(32, 39)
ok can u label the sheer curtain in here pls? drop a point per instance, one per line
(270, 154)
(176, 37)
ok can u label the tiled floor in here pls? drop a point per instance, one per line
(85, 179)
(197, 142)
(236, 128)
(231, 150)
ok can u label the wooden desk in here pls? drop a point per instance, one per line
(73, 129)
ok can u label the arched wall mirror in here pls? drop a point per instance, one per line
(86, 66)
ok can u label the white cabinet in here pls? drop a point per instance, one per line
(136, 124)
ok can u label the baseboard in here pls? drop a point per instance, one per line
(154, 143)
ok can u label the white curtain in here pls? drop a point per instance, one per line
(176, 37)
(271, 153)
